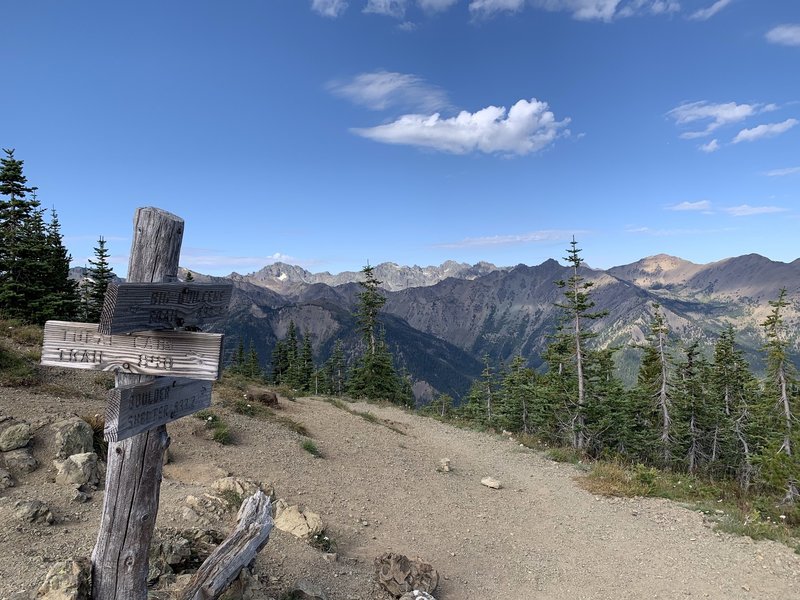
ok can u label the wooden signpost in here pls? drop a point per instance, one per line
(138, 306)
(133, 409)
(140, 405)
(176, 353)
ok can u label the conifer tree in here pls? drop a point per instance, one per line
(252, 364)
(516, 392)
(655, 383)
(734, 396)
(692, 407)
(95, 284)
(577, 308)
(781, 464)
(335, 369)
(34, 265)
(306, 366)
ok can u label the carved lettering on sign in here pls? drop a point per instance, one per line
(130, 307)
(177, 353)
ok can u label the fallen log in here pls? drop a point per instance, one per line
(237, 551)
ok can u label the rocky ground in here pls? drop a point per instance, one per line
(379, 487)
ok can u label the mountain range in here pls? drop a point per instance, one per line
(440, 321)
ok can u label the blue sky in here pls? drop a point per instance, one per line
(329, 133)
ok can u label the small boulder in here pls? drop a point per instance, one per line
(242, 487)
(398, 574)
(67, 580)
(20, 461)
(265, 397)
(79, 469)
(305, 589)
(174, 552)
(73, 436)
(444, 465)
(301, 524)
(33, 511)
(491, 482)
(14, 435)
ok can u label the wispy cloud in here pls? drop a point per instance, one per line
(713, 115)
(487, 8)
(764, 131)
(608, 10)
(435, 5)
(200, 259)
(329, 8)
(700, 205)
(548, 235)
(710, 147)
(527, 127)
(782, 172)
(786, 35)
(745, 210)
(390, 8)
(385, 89)
(706, 13)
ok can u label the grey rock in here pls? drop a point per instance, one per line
(67, 580)
(20, 461)
(174, 551)
(398, 574)
(304, 589)
(73, 436)
(491, 482)
(33, 511)
(79, 469)
(6, 480)
(14, 435)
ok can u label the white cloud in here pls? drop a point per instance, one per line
(783, 172)
(787, 35)
(435, 5)
(700, 205)
(384, 89)
(199, 259)
(329, 8)
(745, 210)
(486, 8)
(764, 131)
(390, 8)
(710, 147)
(527, 127)
(716, 115)
(706, 13)
(608, 10)
(508, 240)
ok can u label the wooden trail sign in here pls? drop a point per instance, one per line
(144, 306)
(133, 409)
(175, 353)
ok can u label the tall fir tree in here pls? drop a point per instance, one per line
(654, 381)
(780, 462)
(95, 284)
(578, 310)
(34, 265)
(734, 400)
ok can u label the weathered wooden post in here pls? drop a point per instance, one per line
(136, 338)
(133, 476)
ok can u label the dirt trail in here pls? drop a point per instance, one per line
(540, 536)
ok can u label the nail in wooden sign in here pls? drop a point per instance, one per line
(134, 409)
(164, 353)
(145, 306)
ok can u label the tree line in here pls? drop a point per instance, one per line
(709, 416)
(34, 263)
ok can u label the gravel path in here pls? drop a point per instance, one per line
(377, 490)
